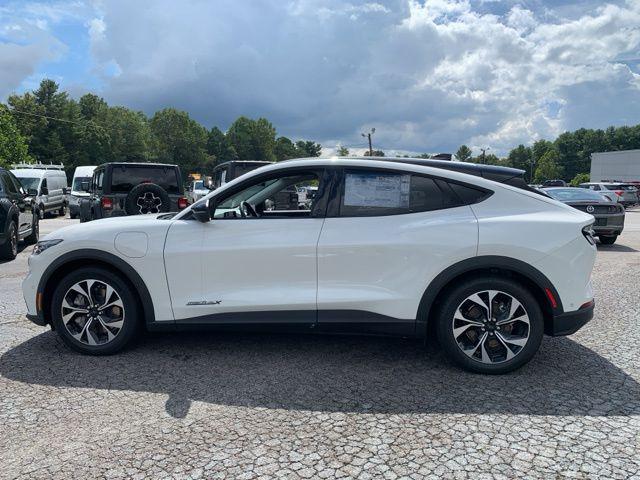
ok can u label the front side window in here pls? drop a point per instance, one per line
(273, 197)
(374, 193)
(7, 184)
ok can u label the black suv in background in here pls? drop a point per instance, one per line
(18, 216)
(118, 189)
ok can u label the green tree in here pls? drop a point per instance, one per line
(91, 106)
(285, 149)
(308, 148)
(580, 178)
(342, 151)
(13, 147)
(129, 135)
(463, 154)
(375, 153)
(253, 139)
(219, 147)
(179, 139)
(548, 167)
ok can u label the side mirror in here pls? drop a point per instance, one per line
(85, 186)
(201, 212)
(32, 192)
(44, 191)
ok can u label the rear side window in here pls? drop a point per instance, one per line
(124, 178)
(374, 193)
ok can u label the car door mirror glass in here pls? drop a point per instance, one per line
(32, 192)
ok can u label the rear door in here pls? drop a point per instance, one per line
(387, 234)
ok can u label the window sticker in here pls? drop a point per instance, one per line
(376, 190)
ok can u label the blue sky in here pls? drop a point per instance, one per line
(429, 75)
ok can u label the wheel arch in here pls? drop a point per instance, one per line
(531, 278)
(95, 258)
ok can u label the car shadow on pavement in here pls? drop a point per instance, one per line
(615, 248)
(331, 374)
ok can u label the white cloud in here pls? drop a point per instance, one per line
(429, 75)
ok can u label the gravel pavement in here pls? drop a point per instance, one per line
(291, 406)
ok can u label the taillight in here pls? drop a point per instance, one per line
(107, 203)
(182, 203)
(620, 193)
(588, 234)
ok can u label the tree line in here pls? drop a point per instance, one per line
(568, 157)
(46, 125)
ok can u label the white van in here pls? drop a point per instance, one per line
(48, 183)
(81, 175)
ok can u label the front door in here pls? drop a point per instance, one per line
(254, 262)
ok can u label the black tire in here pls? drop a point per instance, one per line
(9, 249)
(32, 239)
(131, 315)
(456, 297)
(63, 210)
(608, 239)
(147, 198)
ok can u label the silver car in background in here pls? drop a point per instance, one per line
(627, 194)
(609, 215)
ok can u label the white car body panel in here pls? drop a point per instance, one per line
(384, 264)
(101, 235)
(247, 265)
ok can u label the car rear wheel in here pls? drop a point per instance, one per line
(608, 239)
(35, 231)
(9, 249)
(95, 311)
(490, 325)
(63, 211)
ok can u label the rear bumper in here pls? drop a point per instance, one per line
(570, 322)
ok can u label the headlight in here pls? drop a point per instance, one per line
(43, 245)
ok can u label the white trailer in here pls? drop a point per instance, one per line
(620, 166)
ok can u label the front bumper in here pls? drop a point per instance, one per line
(570, 322)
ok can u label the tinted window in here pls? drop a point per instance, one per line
(5, 184)
(468, 195)
(124, 178)
(371, 193)
(577, 194)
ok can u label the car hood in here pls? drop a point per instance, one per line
(107, 227)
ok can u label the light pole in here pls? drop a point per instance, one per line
(368, 135)
(484, 151)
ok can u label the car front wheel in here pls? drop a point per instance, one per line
(94, 311)
(490, 325)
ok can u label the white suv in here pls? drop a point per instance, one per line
(386, 247)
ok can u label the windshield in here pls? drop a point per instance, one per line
(574, 194)
(30, 183)
(125, 177)
(77, 183)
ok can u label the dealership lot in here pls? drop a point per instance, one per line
(250, 406)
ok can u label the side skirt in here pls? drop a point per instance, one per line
(342, 322)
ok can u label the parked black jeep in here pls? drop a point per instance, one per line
(19, 219)
(118, 189)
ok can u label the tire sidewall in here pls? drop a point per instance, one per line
(131, 319)
(457, 296)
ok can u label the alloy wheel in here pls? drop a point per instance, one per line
(92, 312)
(149, 203)
(491, 326)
